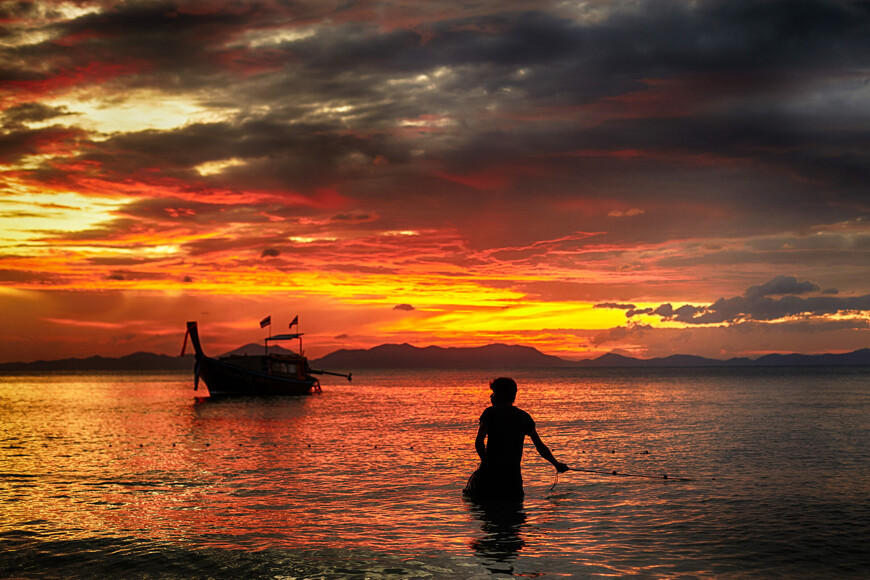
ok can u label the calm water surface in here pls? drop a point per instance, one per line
(110, 475)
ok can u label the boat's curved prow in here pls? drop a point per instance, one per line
(193, 332)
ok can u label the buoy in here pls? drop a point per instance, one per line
(665, 476)
(614, 472)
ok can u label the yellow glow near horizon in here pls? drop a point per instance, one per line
(522, 317)
(310, 239)
(28, 216)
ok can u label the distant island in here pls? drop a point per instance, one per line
(406, 356)
(140, 361)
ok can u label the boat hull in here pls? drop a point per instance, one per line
(224, 379)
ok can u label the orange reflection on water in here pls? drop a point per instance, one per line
(378, 465)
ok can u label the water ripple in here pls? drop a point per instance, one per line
(129, 476)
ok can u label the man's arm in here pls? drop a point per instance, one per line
(479, 443)
(545, 451)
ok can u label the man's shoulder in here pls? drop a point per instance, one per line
(505, 412)
(525, 416)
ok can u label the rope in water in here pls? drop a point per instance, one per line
(621, 474)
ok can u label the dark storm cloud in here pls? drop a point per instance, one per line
(569, 62)
(18, 143)
(742, 36)
(275, 155)
(16, 10)
(165, 38)
(30, 113)
(778, 298)
(724, 103)
(737, 64)
(573, 62)
(781, 285)
(753, 47)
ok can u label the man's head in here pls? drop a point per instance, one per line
(504, 390)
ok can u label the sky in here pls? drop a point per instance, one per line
(583, 177)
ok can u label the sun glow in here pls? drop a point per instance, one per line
(140, 110)
(26, 217)
(524, 316)
(217, 167)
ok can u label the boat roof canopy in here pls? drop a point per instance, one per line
(285, 336)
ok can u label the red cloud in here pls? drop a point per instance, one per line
(93, 73)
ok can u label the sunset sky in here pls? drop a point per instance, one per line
(583, 177)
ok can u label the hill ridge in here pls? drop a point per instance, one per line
(407, 356)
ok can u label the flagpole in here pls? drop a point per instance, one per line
(267, 322)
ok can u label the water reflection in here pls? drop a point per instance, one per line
(501, 538)
(129, 470)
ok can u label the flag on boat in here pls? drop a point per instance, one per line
(266, 322)
(294, 321)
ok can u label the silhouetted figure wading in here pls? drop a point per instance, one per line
(499, 444)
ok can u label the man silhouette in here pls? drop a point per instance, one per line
(499, 443)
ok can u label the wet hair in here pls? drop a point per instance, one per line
(505, 388)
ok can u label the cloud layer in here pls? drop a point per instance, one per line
(778, 299)
(477, 160)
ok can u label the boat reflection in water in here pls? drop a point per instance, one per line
(257, 375)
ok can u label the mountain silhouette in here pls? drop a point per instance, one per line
(403, 356)
(406, 356)
(139, 361)
(255, 349)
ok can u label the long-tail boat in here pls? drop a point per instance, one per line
(257, 375)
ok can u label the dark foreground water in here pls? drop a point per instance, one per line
(129, 476)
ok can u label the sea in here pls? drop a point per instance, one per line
(676, 473)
